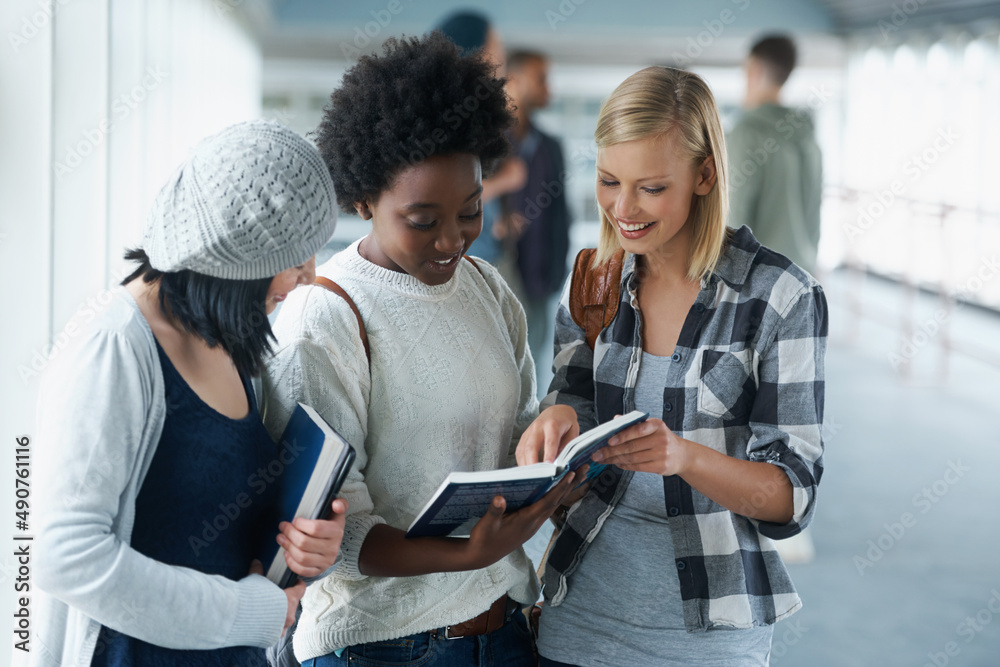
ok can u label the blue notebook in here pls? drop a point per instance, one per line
(316, 461)
(464, 497)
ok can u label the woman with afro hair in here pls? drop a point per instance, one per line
(447, 382)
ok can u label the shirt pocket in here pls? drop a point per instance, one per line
(725, 387)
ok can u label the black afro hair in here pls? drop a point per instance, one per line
(420, 98)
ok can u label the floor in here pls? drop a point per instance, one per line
(907, 570)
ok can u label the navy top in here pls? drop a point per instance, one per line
(206, 503)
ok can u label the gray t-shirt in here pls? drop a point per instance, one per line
(624, 602)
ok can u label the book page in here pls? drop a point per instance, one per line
(579, 450)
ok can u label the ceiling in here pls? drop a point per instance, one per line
(861, 15)
(610, 32)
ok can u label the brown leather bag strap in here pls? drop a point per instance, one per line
(595, 292)
(473, 262)
(339, 291)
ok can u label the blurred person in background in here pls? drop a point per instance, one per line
(471, 32)
(543, 242)
(776, 181)
(774, 161)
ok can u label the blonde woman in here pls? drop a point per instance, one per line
(669, 559)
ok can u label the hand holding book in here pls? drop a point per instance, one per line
(315, 462)
(311, 545)
(310, 548)
(551, 431)
(464, 497)
(497, 533)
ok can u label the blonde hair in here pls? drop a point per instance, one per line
(662, 100)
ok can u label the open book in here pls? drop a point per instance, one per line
(316, 461)
(464, 497)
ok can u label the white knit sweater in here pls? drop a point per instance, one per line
(451, 387)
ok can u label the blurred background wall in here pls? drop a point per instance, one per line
(102, 99)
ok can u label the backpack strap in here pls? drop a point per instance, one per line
(328, 284)
(595, 292)
(473, 262)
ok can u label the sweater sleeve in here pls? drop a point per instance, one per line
(517, 328)
(96, 411)
(321, 361)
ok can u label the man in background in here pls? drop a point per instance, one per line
(543, 243)
(775, 170)
(471, 32)
(776, 182)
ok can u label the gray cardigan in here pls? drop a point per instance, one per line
(100, 413)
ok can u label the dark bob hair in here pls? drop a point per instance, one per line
(228, 313)
(419, 99)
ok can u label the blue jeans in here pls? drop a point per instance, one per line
(510, 646)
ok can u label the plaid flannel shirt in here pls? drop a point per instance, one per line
(747, 380)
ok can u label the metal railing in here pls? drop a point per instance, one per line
(937, 330)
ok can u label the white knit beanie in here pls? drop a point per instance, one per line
(250, 202)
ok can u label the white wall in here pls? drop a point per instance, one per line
(101, 102)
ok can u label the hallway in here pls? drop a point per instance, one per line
(907, 569)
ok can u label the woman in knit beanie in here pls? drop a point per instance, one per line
(450, 383)
(154, 495)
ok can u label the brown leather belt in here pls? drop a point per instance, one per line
(492, 619)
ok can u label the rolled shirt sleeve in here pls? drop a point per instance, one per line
(787, 414)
